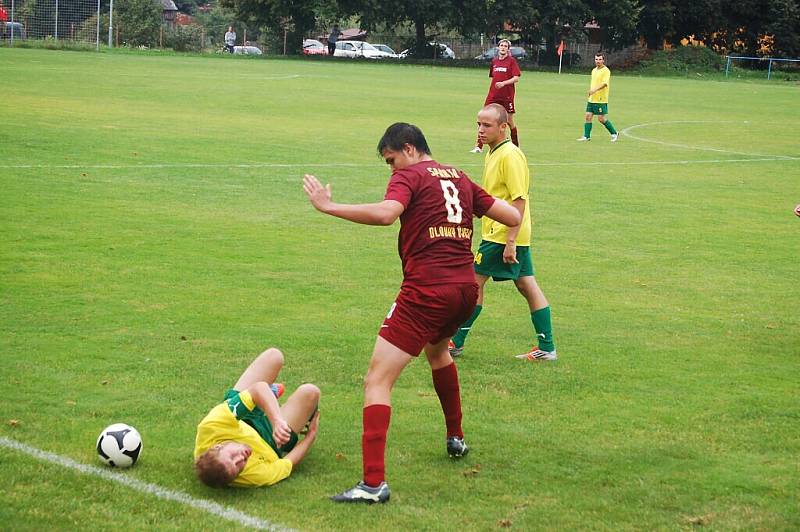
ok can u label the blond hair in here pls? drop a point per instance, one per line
(499, 112)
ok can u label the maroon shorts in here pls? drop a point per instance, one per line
(507, 104)
(428, 314)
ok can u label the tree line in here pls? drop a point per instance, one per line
(756, 27)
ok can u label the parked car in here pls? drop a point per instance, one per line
(386, 48)
(358, 49)
(434, 50)
(247, 50)
(314, 47)
(9, 28)
(517, 52)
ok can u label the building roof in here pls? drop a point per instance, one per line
(168, 5)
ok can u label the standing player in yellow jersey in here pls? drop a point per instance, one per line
(598, 99)
(248, 440)
(505, 252)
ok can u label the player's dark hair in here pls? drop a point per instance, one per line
(600, 54)
(399, 134)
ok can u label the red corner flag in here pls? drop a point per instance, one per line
(560, 49)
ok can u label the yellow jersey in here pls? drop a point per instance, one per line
(222, 424)
(600, 76)
(506, 176)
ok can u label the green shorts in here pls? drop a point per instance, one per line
(597, 108)
(489, 262)
(259, 421)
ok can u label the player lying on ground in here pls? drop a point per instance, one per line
(248, 440)
(435, 204)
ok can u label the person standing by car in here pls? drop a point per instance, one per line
(3, 14)
(332, 38)
(230, 39)
(504, 72)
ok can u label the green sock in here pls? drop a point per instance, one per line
(610, 127)
(587, 129)
(463, 331)
(544, 328)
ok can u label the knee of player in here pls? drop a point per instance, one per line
(274, 355)
(310, 392)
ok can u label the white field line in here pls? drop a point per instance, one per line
(627, 133)
(533, 164)
(752, 157)
(211, 507)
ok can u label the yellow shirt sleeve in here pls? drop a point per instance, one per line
(517, 176)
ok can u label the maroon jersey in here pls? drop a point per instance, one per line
(435, 241)
(502, 70)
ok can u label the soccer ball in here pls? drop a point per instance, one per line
(119, 445)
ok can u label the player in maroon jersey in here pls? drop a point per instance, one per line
(504, 72)
(435, 204)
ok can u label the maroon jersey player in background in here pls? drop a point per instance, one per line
(435, 204)
(504, 72)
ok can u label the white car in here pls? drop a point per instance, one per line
(442, 51)
(247, 50)
(358, 49)
(386, 48)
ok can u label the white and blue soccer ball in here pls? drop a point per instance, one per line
(119, 445)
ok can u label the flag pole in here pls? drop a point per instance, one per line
(560, 56)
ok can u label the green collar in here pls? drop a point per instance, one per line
(496, 147)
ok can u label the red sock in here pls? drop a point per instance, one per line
(373, 442)
(445, 382)
(514, 138)
(478, 143)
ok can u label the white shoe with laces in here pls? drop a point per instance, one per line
(538, 355)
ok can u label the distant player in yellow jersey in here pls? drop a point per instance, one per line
(248, 440)
(598, 100)
(505, 252)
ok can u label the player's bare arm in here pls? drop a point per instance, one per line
(510, 251)
(266, 401)
(296, 455)
(511, 81)
(383, 213)
(601, 87)
(503, 212)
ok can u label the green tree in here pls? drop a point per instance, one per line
(619, 20)
(138, 21)
(657, 23)
(784, 28)
(466, 16)
(297, 19)
(216, 22)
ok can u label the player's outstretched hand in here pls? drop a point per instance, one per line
(320, 196)
(281, 432)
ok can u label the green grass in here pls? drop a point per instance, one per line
(155, 238)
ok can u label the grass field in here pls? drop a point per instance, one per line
(155, 237)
